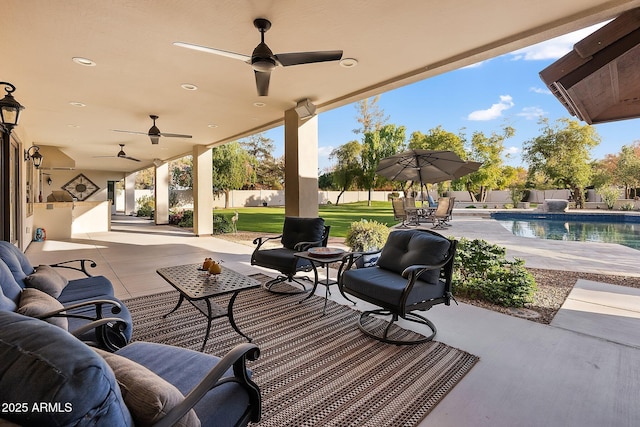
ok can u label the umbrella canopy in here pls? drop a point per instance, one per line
(425, 166)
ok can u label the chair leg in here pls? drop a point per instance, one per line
(380, 329)
(272, 287)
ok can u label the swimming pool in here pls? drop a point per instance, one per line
(620, 228)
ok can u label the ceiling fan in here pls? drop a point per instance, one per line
(122, 155)
(263, 60)
(154, 133)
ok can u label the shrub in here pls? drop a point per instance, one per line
(627, 207)
(366, 235)
(517, 195)
(508, 206)
(186, 219)
(609, 195)
(145, 206)
(221, 224)
(482, 272)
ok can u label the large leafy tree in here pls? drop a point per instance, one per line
(370, 115)
(488, 150)
(386, 141)
(231, 168)
(561, 154)
(181, 173)
(348, 168)
(436, 139)
(628, 168)
(269, 171)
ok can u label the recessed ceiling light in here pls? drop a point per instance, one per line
(212, 126)
(73, 126)
(83, 61)
(348, 62)
(78, 104)
(259, 104)
(188, 86)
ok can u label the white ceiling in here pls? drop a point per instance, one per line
(139, 71)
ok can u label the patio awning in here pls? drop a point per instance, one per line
(599, 80)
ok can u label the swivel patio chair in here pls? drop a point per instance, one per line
(298, 234)
(413, 273)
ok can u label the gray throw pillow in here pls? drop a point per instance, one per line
(147, 396)
(46, 279)
(35, 303)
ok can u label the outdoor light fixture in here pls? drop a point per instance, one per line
(49, 180)
(305, 109)
(9, 108)
(36, 157)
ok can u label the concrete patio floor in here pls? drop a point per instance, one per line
(582, 370)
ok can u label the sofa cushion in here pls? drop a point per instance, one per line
(35, 303)
(46, 279)
(414, 247)
(42, 364)
(10, 289)
(16, 260)
(296, 230)
(223, 405)
(148, 397)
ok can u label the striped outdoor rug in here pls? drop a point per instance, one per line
(313, 370)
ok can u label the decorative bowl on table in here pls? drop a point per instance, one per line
(324, 252)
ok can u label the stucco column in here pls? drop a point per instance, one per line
(202, 191)
(161, 193)
(300, 165)
(130, 194)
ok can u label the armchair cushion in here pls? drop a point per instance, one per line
(223, 405)
(35, 303)
(42, 364)
(296, 230)
(46, 279)
(281, 259)
(389, 287)
(148, 397)
(405, 248)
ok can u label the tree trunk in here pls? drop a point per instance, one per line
(339, 195)
(369, 201)
(226, 199)
(578, 197)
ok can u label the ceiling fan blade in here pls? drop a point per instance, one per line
(129, 131)
(262, 82)
(130, 158)
(296, 58)
(174, 135)
(220, 52)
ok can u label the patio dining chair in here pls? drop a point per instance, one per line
(443, 213)
(407, 215)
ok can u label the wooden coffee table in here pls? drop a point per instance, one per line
(198, 288)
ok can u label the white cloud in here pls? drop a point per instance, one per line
(531, 113)
(554, 48)
(494, 111)
(512, 150)
(325, 151)
(540, 90)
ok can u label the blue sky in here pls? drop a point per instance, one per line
(483, 97)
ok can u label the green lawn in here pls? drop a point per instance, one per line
(269, 219)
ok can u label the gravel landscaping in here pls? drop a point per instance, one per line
(553, 285)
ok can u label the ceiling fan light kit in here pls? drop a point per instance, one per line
(263, 60)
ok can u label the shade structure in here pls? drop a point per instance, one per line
(425, 166)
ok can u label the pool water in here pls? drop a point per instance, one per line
(620, 229)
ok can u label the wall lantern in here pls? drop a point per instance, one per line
(9, 108)
(35, 156)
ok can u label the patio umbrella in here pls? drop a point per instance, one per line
(425, 166)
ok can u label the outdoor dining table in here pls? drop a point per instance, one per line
(198, 287)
